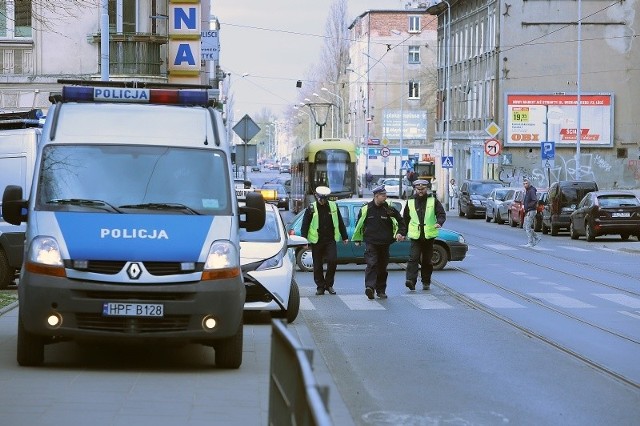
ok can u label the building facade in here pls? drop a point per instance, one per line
(519, 69)
(392, 86)
(43, 41)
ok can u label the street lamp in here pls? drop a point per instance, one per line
(333, 115)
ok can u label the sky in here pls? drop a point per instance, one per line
(275, 42)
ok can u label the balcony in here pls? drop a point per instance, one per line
(16, 59)
(138, 54)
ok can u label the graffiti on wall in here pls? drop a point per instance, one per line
(564, 169)
(633, 169)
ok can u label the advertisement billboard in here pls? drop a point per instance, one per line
(534, 118)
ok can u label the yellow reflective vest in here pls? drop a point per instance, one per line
(358, 232)
(312, 235)
(413, 229)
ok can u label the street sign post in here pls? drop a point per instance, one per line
(246, 128)
(548, 154)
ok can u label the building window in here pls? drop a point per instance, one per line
(15, 19)
(414, 24)
(414, 90)
(122, 16)
(414, 54)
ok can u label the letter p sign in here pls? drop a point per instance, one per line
(548, 150)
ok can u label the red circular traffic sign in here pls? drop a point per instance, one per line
(385, 152)
(492, 147)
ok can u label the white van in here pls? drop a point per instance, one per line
(19, 135)
(132, 224)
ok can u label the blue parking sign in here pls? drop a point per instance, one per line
(548, 150)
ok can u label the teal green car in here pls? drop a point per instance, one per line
(448, 246)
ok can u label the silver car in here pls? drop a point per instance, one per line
(497, 209)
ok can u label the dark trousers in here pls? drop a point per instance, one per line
(324, 252)
(375, 274)
(420, 255)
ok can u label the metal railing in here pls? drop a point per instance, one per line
(295, 398)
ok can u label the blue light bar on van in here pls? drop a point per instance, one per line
(131, 95)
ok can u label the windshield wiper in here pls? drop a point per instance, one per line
(160, 206)
(97, 204)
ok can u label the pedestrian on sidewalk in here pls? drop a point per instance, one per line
(322, 226)
(424, 215)
(378, 225)
(530, 210)
(453, 194)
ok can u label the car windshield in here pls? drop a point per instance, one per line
(270, 232)
(483, 189)
(392, 182)
(618, 200)
(500, 194)
(133, 179)
(279, 188)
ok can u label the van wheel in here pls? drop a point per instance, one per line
(572, 231)
(229, 351)
(304, 260)
(7, 273)
(30, 351)
(624, 237)
(440, 257)
(554, 230)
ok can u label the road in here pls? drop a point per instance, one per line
(510, 335)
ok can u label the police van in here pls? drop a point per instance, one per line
(132, 223)
(19, 136)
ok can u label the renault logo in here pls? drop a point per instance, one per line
(134, 271)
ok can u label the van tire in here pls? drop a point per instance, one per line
(30, 351)
(7, 273)
(440, 257)
(229, 351)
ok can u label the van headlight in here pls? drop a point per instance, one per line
(44, 257)
(222, 261)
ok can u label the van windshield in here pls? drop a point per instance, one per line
(133, 179)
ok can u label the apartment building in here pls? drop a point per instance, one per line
(42, 41)
(392, 84)
(513, 72)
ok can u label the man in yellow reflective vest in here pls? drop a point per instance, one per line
(423, 214)
(379, 225)
(322, 226)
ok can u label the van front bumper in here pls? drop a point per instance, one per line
(80, 304)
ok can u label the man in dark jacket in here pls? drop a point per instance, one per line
(424, 215)
(379, 225)
(530, 210)
(322, 226)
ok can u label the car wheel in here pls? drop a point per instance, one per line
(511, 222)
(537, 225)
(554, 230)
(521, 224)
(228, 352)
(460, 212)
(499, 220)
(545, 230)
(440, 257)
(30, 351)
(293, 307)
(624, 237)
(589, 232)
(304, 260)
(7, 273)
(572, 231)
(486, 217)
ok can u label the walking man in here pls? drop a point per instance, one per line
(379, 225)
(453, 194)
(424, 214)
(322, 226)
(530, 210)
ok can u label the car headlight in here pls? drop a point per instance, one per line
(461, 239)
(44, 257)
(476, 202)
(271, 263)
(222, 261)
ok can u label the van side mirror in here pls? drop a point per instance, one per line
(14, 208)
(254, 212)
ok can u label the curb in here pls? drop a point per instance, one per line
(8, 308)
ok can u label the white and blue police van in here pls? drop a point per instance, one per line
(132, 223)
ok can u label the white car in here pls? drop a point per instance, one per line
(392, 185)
(268, 267)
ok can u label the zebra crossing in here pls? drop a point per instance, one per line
(430, 301)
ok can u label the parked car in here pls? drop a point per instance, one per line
(473, 196)
(562, 200)
(448, 246)
(495, 209)
(285, 168)
(606, 213)
(516, 209)
(268, 268)
(392, 185)
(542, 201)
(255, 168)
(284, 181)
(280, 198)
